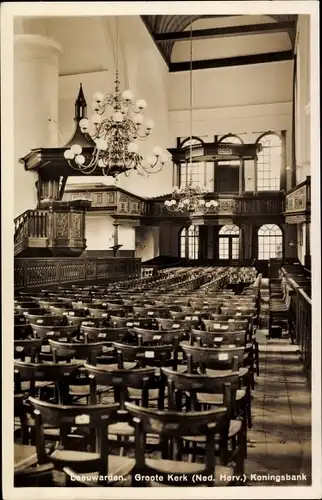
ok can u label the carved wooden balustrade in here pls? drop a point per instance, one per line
(57, 229)
(30, 227)
(229, 207)
(124, 205)
(258, 205)
(111, 199)
(298, 203)
(34, 272)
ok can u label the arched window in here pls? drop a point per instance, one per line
(269, 162)
(189, 242)
(231, 139)
(270, 242)
(229, 242)
(227, 171)
(200, 172)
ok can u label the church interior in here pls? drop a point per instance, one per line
(162, 251)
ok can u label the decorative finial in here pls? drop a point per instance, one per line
(80, 105)
(80, 112)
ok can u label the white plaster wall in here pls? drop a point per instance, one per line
(144, 243)
(127, 237)
(301, 242)
(99, 231)
(232, 86)
(214, 48)
(35, 101)
(147, 242)
(303, 99)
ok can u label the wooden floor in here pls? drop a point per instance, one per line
(280, 440)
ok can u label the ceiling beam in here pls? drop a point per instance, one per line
(148, 26)
(251, 29)
(224, 62)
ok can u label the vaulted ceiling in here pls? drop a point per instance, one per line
(261, 38)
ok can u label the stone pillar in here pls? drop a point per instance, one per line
(255, 175)
(241, 243)
(48, 190)
(283, 183)
(116, 233)
(186, 243)
(116, 245)
(36, 73)
(246, 230)
(203, 242)
(307, 256)
(156, 241)
(241, 176)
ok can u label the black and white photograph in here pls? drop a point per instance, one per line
(161, 250)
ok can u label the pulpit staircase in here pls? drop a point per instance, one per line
(31, 233)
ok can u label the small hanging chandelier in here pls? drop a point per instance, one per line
(116, 135)
(190, 199)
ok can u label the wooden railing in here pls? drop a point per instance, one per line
(33, 272)
(57, 229)
(19, 221)
(268, 204)
(260, 204)
(38, 224)
(30, 224)
(298, 287)
(304, 328)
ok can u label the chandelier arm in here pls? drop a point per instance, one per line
(88, 169)
(77, 166)
(142, 172)
(156, 163)
(131, 126)
(70, 163)
(106, 125)
(150, 169)
(90, 137)
(142, 137)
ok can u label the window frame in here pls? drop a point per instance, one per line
(189, 242)
(200, 174)
(267, 235)
(227, 239)
(264, 174)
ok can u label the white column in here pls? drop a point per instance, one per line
(36, 73)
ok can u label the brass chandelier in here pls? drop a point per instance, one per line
(190, 199)
(116, 135)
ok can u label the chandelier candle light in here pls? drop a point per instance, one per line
(190, 199)
(116, 135)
